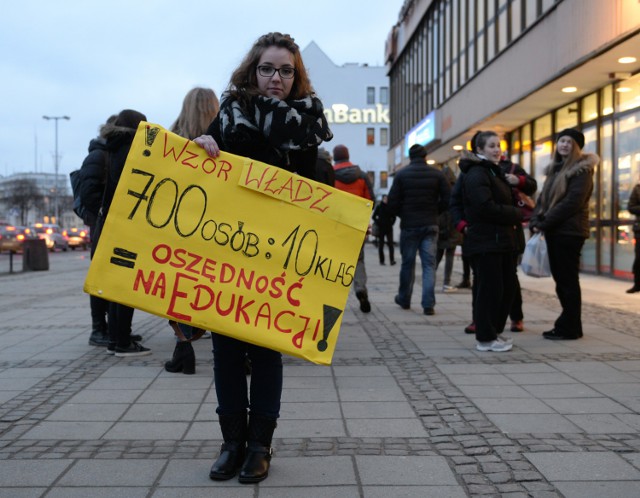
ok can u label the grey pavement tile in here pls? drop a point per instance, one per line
(199, 431)
(32, 372)
(590, 372)
(311, 428)
(99, 492)
(429, 351)
(585, 405)
(327, 491)
(616, 390)
(29, 492)
(405, 471)
(386, 427)
(626, 365)
(106, 396)
(7, 395)
(310, 472)
(96, 412)
(182, 382)
(377, 409)
(68, 430)
(414, 491)
(494, 391)
(602, 489)
(217, 490)
(307, 371)
(173, 396)
(118, 473)
(467, 368)
(317, 382)
(589, 466)
(360, 371)
(509, 368)
(630, 419)
(372, 394)
(512, 405)
(145, 430)
(18, 384)
(207, 412)
(561, 391)
(306, 395)
(161, 412)
(471, 379)
(544, 378)
(601, 423)
(539, 423)
(131, 372)
(187, 473)
(366, 382)
(31, 473)
(309, 411)
(115, 383)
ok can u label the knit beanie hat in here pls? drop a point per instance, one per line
(417, 151)
(575, 134)
(129, 119)
(340, 153)
(324, 154)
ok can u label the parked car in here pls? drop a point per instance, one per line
(12, 237)
(77, 237)
(52, 235)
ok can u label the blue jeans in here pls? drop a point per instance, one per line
(423, 240)
(263, 395)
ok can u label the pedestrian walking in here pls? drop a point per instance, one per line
(385, 220)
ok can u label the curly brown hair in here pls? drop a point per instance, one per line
(244, 82)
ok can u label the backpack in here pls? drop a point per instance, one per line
(88, 218)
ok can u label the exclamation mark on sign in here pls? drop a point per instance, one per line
(331, 316)
(150, 136)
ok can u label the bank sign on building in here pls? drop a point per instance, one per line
(356, 100)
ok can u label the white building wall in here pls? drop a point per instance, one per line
(340, 86)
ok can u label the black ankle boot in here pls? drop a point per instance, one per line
(99, 335)
(232, 451)
(258, 460)
(184, 359)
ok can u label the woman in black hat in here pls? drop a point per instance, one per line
(562, 213)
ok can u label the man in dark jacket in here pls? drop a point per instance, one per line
(384, 220)
(350, 178)
(418, 195)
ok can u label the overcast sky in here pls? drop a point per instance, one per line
(88, 60)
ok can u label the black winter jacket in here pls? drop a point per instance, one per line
(418, 194)
(492, 219)
(566, 213)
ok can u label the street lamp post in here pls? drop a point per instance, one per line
(56, 160)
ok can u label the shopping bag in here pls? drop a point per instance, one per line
(535, 260)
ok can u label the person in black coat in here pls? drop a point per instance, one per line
(385, 220)
(490, 239)
(119, 137)
(634, 208)
(562, 214)
(525, 183)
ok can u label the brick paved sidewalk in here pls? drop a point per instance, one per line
(408, 407)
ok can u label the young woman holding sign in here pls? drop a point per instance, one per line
(268, 113)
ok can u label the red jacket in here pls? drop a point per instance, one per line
(350, 178)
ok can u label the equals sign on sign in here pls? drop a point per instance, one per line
(122, 257)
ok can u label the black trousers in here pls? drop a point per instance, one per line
(387, 235)
(564, 261)
(493, 288)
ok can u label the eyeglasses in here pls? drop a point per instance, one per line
(285, 72)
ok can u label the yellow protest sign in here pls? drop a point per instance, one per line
(231, 245)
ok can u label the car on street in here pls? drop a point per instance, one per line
(52, 235)
(13, 236)
(77, 238)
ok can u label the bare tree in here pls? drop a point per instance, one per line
(23, 194)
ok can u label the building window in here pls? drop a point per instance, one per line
(384, 95)
(371, 136)
(384, 136)
(371, 95)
